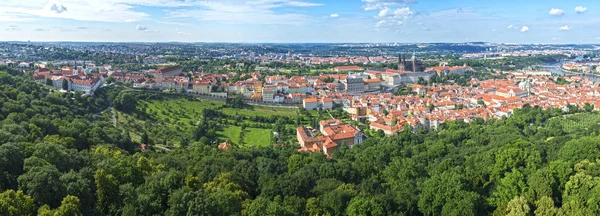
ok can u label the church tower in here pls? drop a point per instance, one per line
(414, 63)
(401, 64)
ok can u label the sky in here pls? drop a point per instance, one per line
(302, 21)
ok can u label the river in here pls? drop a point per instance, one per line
(561, 73)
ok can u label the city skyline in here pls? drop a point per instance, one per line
(301, 21)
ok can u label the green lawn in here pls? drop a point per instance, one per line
(231, 133)
(257, 137)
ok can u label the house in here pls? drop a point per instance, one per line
(268, 94)
(297, 98)
(391, 78)
(373, 84)
(201, 87)
(166, 71)
(335, 133)
(340, 133)
(276, 79)
(39, 78)
(387, 127)
(279, 98)
(225, 145)
(327, 103)
(138, 83)
(354, 85)
(88, 85)
(512, 92)
(310, 103)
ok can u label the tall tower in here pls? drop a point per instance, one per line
(414, 63)
(400, 62)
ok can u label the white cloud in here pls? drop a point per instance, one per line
(580, 9)
(54, 6)
(510, 27)
(384, 12)
(13, 28)
(556, 12)
(39, 29)
(388, 23)
(525, 29)
(83, 10)
(381, 4)
(298, 3)
(555, 38)
(398, 13)
(334, 15)
(246, 12)
(565, 28)
(391, 18)
(175, 23)
(141, 28)
(403, 12)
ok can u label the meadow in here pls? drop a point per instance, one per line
(164, 120)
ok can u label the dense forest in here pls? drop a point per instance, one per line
(58, 158)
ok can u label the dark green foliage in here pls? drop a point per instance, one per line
(65, 84)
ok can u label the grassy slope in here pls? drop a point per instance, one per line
(181, 112)
(232, 133)
(257, 137)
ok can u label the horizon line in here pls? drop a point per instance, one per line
(243, 42)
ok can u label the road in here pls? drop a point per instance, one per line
(112, 111)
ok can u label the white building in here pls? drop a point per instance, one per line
(86, 85)
(354, 85)
(310, 103)
(268, 94)
(327, 103)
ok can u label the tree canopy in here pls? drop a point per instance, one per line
(58, 158)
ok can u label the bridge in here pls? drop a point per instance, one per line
(567, 72)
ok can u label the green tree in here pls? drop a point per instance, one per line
(585, 148)
(11, 165)
(588, 107)
(144, 139)
(107, 192)
(185, 201)
(65, 84)
(314, 207)
(78, 185)
(69, 207)
(513, 185)
(361, 205)
(542, 183)
(335, 202)
(43, 185)
(442, 191)
(16, 203)
(545, 207)
(581, 192)
(518, 207)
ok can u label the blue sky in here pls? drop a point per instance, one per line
(403, 21)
